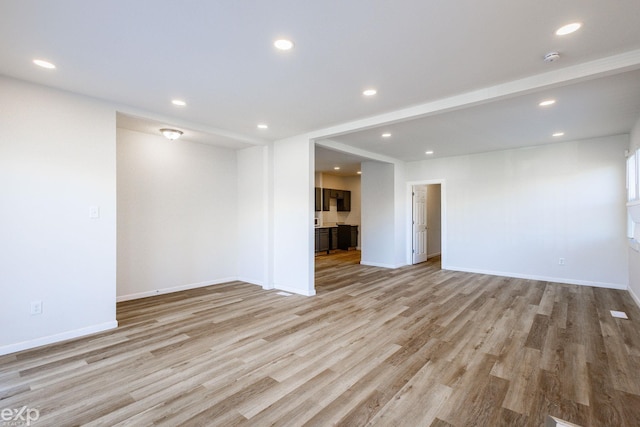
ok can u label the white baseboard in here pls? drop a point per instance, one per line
(377, 264)
(634, 296)
(76, 333)
(154, 292)
(295, 290)
(619, 286)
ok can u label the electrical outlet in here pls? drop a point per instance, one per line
(36, 307)
(561, 261)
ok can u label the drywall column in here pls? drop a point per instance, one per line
(378, 234)
(252, 216)
(58, 216)
(292, 218)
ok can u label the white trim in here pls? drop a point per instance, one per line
(634, 297)
(154, 292)
(443, 217)
(375, 264)
(541, 278)
(77, 333)
(295, 290)
(561, 76)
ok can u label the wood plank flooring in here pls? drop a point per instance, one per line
(416, 346)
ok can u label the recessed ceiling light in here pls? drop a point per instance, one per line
(547, 102)
(369, 92)
(568, 29)
(386, 135)
(263, 126)
(283, 44)
(558, 134)
(429, 152)
(44, 64)
(336, 168)
(178, 102)
(359, 172)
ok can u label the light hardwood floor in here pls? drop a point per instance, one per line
(416, 346)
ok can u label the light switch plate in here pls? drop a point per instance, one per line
(94, 212)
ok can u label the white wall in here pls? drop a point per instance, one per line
(177, 214)
(434, 222)
(57, 159)
(378, 214)
(252, 216)
(293, 193)
(634, 257)
(517, 212)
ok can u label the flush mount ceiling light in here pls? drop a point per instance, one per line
(386, 135)
(171, 134)
(178, 102)
(547, 102)
(568, 29)
(369, 92)
(337, 168)
(283, 44)
(429, 152)
(263, 126)
(359, 172)
(44, 64)
(557, 134)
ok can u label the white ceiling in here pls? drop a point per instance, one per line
(218, 57)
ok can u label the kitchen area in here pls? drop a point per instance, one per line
(337, 213)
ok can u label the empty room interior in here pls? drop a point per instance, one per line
(413, 213)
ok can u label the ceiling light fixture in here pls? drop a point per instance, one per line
(178, 102)
(547, 102)
(171, 134)
(263, 126)
(429, 152)
(386, 135)
(337, 168)
(283, 44)
(369, 92)
(558, 134)
(44, 64)
(568, 29)
(359, 172)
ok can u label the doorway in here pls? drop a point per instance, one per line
(426, 222)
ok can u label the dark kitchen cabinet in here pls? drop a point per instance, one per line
(326, 199)
(344, 204)
(347, 236)
(343, 198)
(326, 239)
(318, 199)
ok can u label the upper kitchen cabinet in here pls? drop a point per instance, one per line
(326, 196)
(343, 198)
(318, 199)
(344, 203)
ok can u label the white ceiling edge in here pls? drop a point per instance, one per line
(134, 112)
(589, 70)
(366, 155)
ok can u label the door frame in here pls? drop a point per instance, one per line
(409, 218)
(424, 239)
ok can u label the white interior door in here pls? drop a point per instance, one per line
(419, 223)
